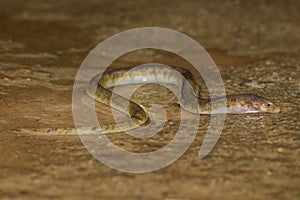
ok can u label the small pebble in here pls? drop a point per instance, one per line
(268, 62)
(280, 150)
(269, 142)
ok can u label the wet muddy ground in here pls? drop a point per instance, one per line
(255, 45)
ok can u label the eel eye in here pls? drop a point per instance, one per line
(268, 104)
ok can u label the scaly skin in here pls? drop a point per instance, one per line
(235, 104)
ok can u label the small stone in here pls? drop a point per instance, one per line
(269, 142)
(268, 62)
(280, 150)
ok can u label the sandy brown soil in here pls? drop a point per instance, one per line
(255, 45)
